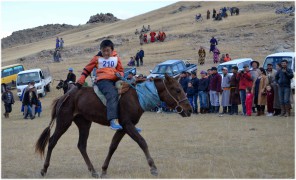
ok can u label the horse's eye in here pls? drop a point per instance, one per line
(178, 90)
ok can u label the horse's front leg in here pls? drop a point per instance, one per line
(134, 134)
(113, 146)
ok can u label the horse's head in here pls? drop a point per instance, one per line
(61, 84)
(171, 92)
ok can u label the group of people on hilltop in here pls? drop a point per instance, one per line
(222, 13)
(161, 36)
(253, 89)
(138, 58)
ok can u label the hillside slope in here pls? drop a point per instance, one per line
(255, 33)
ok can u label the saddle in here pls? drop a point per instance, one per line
(121, 86)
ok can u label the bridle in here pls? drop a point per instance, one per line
(178, 102)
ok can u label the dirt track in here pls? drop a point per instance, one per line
(202, 146)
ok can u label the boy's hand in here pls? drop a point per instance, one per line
(118, 75)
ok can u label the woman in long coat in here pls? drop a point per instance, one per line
(259, 91)
(234, 99)
(201, 55)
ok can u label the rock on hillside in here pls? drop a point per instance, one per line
(34, 34)
(103, 18)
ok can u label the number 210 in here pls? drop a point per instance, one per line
(108, 63)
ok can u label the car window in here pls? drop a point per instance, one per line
(240, 65)
(180, 66)
(175, 68)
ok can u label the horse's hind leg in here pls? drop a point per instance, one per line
(134, 134)
(84, 126)
(113, 146)
(60, 129)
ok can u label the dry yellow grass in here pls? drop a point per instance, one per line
(202, 146)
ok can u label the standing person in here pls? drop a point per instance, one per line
(234, 98)
(215, 89)
(269, 97)
(208, 14)
(184, 80)
(227, 58)
(38, 108)
(152, 36)
(276, 99)
(57, 42)
(271, 73)
(213, 43)
(201, 56)
(226, 91)
(259, 92)
(254, 73)
(7, 98)
(141, 56)
(71, 77)
(283, 78)
(137, 58)
(109, 69)
(209, 76)
(203, 92)
(145, 38)
(190, 93)
(245, 80)
(195, 84)
(216, 53)
(141, 37)
(214, 13)
(61, 43)
(249, 101)
(30, 102)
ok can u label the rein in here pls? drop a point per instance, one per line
(178, 102)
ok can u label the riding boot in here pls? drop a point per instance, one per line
(283, 110)
(287, 107)
(229, 109)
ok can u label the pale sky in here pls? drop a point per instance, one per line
(18, 15)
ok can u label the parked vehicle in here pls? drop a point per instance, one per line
(9, 74)
(236, 62)
(41, 77)
(277, 58)
(173, 68)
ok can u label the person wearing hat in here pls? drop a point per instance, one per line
(195, 83)
(283, 78)
(254, 73)
(7, 98)
(245, 80)
(203, 92)
(226, 91)
(215, 89)
(71, 77)
(234, 98)
(184, 80)
(30, 101)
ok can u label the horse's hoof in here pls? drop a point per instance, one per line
(154, 172)
(42, 172)
(95, 175)
(103, 174)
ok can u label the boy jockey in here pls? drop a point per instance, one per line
(108, 64)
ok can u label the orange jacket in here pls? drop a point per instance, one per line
(106, 68)
(226, 59)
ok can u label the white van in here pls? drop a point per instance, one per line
(236, 62)
(277, 58)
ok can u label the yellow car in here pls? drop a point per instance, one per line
(9, 74)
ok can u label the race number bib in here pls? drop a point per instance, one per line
(107, 63)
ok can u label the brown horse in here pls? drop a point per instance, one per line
(83, 107)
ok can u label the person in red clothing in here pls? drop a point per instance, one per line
(152, 36)
(227, 58)
(109, 68)
(249, 101)
(245, 80)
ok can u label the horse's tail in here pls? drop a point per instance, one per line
(45, 135)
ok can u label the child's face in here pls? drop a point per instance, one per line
(107, 52)
(268, 88)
